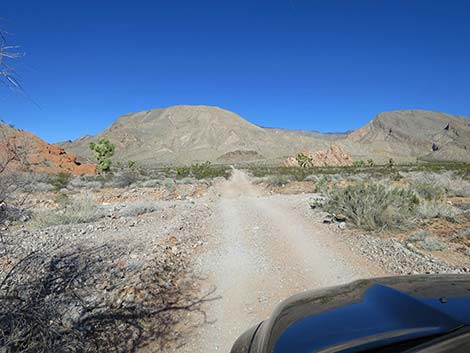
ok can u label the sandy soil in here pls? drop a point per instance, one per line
(261, 250)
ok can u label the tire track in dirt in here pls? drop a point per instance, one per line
(262, 251)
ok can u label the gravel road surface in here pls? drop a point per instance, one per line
(261, 250)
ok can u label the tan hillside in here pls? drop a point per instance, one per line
(37, 155)
(184, 134)
(411, 134)
(187, 134)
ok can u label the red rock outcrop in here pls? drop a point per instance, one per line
(333, 156)
(37, 155)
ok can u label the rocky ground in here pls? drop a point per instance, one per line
(228, 252)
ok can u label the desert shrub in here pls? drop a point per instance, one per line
(60, 181)
(169, 184)
(85, 183)
(208, 171)
(432, 244)
(322, 184)
(138, 208)
(201, 171)
(419, 235)
(465, 233)
(428, 191)
(75, 212)
(311, 177)
(373, 206)
(183, 172)
(123, 179)
(61, 199)
(450, 182)
(359, 163)
(435, 209)
(427, 241)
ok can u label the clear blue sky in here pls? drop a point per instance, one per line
(328, 65)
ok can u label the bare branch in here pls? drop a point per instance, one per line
(8, 52)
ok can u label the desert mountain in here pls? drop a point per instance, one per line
(25, 151)
(186, 134)
(412, 134)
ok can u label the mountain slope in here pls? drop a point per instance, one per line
(411, 134)
(187, 134)
(184, 134)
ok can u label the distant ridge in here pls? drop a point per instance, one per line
(186, 134)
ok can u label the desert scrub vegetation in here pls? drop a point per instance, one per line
(373, 206)
(202, 171)
(427, 241)
(450, 182)
(138, 208)
(435, 209)
(71, 212)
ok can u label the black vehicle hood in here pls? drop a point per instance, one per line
(366, 312)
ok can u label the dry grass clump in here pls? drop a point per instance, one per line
(138, 208)
(435, 209)
(373, 206)
(73, 212)
(428, 191)
(427, 241)
(450, 182)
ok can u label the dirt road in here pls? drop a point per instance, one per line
(264, 248)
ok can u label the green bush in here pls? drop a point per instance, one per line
(183, 172)
(373, 206)
(202, 171)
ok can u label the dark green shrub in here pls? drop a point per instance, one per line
(183, 172)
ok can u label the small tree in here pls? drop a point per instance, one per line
(370, 162)
(103, 150)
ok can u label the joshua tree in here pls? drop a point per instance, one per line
(304, 160)
(103, 150)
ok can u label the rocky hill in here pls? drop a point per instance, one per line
(186, 134)
(416, 134)
(33, 153)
